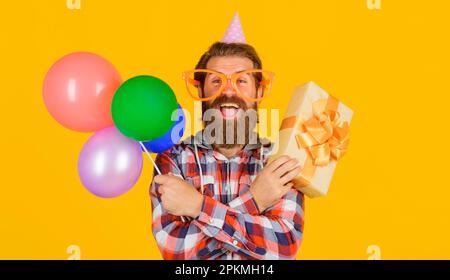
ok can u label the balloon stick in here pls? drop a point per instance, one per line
(156, 167)
(148, 154)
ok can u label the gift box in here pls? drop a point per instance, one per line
(315, 130)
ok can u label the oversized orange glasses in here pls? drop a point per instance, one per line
(205, 84)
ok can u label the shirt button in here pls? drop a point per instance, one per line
(235, 243)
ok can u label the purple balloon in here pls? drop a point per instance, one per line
(109, 163)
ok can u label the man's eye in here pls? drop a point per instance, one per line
(242, 81)
(216, 81)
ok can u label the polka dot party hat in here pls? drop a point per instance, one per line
(234, 33)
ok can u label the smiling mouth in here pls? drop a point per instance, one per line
(229, 110)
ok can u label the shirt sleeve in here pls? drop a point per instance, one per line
(185, 240)
(274, 234)
(175, 239)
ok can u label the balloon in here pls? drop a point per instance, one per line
(142, 108)
(172, 137)
(78, 90)
(109, 163)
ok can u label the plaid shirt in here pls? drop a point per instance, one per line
(230, 226)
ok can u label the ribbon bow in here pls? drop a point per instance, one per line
(323, 135)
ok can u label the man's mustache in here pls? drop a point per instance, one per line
(228, 99)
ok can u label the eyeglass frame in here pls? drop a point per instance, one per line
(232, 78)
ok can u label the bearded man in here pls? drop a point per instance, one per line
(217, 197)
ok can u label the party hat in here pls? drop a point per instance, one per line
(234, 33)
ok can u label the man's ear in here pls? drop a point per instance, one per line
(200, 90)
(260, 91)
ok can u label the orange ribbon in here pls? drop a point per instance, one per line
(324, 136)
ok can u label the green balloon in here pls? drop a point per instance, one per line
(142, 108)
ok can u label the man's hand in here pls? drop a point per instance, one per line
(178, 197)
(274, 181)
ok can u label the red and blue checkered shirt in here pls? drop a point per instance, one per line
(230, 226)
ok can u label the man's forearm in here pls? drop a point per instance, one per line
(250, 233)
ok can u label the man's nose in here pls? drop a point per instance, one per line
(229, 90)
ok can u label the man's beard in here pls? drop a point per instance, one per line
(229, 133)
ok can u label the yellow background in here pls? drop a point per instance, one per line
(391, 66)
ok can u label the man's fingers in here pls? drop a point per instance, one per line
(291, 175)
(286, 188)
(277, 162)
(161, 179)
(285, 167)
(160, 189)
(289, 185)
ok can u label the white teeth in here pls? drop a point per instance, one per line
(229, 105)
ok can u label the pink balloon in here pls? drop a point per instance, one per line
(78, 91)
(109, 163)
